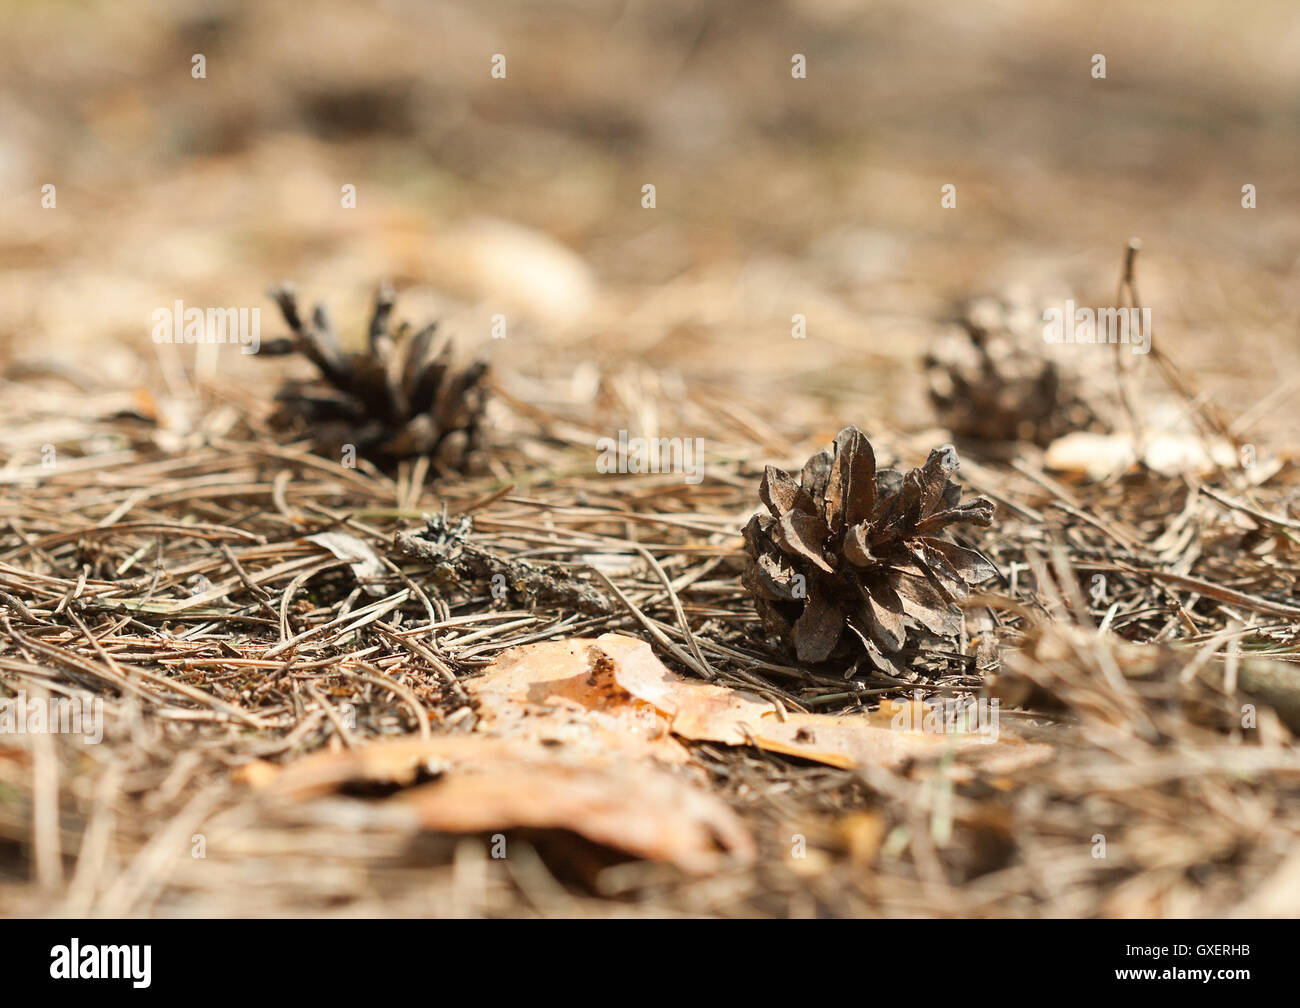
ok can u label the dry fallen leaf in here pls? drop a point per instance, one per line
(486, 783)
(583, 735)
(612, 695)
(636, 808)
(564, 693)
(701, 711)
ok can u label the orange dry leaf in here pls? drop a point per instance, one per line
(393, 761)
(565, 693)
(485, 783)
(583, 735)
(639, 809)
(702, 711)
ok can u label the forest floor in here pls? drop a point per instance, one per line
(284, 686)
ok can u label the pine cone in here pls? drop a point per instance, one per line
(398, 399)
(990, 380)
(850, 545)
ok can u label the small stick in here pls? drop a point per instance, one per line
(1124, 371)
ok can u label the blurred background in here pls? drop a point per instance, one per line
(774, 195)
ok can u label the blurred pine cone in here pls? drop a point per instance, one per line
(852, 546)
(991, 381)
(400, 398)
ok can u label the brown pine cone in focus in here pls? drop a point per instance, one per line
(849, 558)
